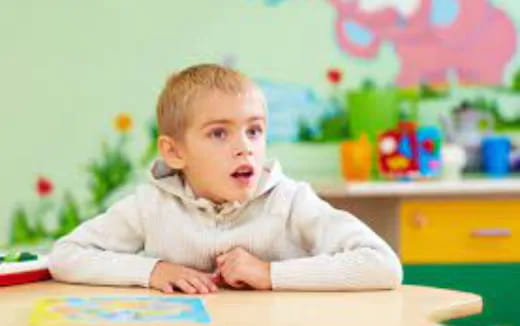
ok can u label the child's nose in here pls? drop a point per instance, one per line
(243, 148)
(243, 152)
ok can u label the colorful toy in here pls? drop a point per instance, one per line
(429, 142)
(24, 267)
(467, 126)
(408, 152)
(356, 159)
(514, 160)
(453, 159)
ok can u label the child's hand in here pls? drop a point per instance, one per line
(167, 277)
(239, 268)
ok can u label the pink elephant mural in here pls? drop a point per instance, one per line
(472, 38)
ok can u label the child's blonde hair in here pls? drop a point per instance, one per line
(183, 87)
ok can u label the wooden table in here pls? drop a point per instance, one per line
(409, 305)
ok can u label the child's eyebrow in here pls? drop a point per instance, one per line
(230, 122)
(256, 118)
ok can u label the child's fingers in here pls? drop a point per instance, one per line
(229, 267)
(231, 277)
(185, 286)
(168, 288)
(198, 284)
(223, 270)
(216, 278)
(229, 259)
(236, 283)
(210, 284)
(222, 259)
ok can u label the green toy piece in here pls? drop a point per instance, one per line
(18, 257)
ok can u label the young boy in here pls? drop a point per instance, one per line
(215, 212)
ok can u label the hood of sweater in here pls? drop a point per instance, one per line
(172, 181)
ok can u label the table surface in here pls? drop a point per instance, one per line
(408, 305)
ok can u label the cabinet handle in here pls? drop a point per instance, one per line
(419, 220)
(491, 233)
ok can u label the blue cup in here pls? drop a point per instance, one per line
(495, 155)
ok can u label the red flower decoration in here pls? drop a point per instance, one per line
(334, 75)
(44, 187)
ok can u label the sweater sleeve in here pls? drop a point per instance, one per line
(104, 250)
(344, 254)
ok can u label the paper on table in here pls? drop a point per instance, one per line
(116, 309)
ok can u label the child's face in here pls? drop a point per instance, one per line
(224, 146)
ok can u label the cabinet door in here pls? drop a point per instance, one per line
(498, 284)
(457, 231)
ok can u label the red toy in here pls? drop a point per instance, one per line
(398, 151)
(12, 273)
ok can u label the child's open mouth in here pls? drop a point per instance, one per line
(243, 174)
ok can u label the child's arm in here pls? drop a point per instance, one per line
(104, 249)
(346, 254)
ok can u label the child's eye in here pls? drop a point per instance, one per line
(219, 133)
(255, 131)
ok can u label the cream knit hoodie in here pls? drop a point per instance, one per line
(311, 245)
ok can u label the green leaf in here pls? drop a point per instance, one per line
(109, 173)
(151, 151)
(304, 131)
(21, 231)
(68, 217)
(516, 81)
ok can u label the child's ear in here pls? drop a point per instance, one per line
(171, 152)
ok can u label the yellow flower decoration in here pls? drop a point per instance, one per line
(123, 122)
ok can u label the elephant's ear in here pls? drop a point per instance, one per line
(358, 34)
(356, 39)
(454, 21)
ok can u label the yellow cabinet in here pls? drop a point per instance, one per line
(447, 231)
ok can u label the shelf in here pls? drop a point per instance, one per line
(422, 188)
